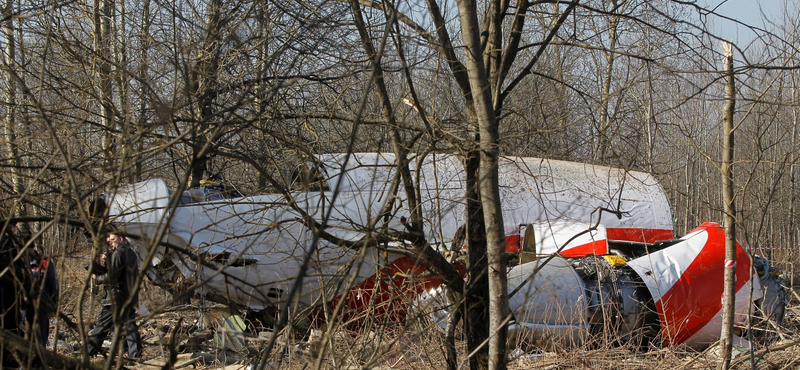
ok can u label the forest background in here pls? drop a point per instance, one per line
(95, 94)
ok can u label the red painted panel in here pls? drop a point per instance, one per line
(599, 247)
(639, 235)
(697, 296)
(384, 296)
(513, 243)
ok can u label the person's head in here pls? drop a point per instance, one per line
(114, 240)
(33, 253)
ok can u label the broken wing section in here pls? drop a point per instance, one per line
(686, 282)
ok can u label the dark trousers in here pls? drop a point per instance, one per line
(42, 323)
(105, 322)
(9, 320)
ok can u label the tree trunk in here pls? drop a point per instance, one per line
(10, 124)
(604, 137)
(476, 296)
(488, 184)
(792, 234)
(144, 39)
(103, 13)
(206, 92)
(729, 292)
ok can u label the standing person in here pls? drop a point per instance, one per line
(45, 295)
(9, 299)
(119, 283)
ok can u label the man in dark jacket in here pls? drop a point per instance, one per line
(9, 300)
(119, 282)
(44, 295)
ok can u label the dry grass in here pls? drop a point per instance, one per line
(384, 346)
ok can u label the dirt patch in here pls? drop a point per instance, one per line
(187, 335)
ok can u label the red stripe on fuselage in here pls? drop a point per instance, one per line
(639, 235)
(599, 247)
(697, 295)
(386, 295)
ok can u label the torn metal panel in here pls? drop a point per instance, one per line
(680, 280)
(686, 282)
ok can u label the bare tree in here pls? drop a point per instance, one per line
(729, 294)
(104, 14)
(12, 123)
(488, 170)
(248, 90)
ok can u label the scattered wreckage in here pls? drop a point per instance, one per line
(595, 246)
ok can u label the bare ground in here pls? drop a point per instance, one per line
(186, 331)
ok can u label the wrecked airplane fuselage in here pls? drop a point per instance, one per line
(667, 293)
(248, 250)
